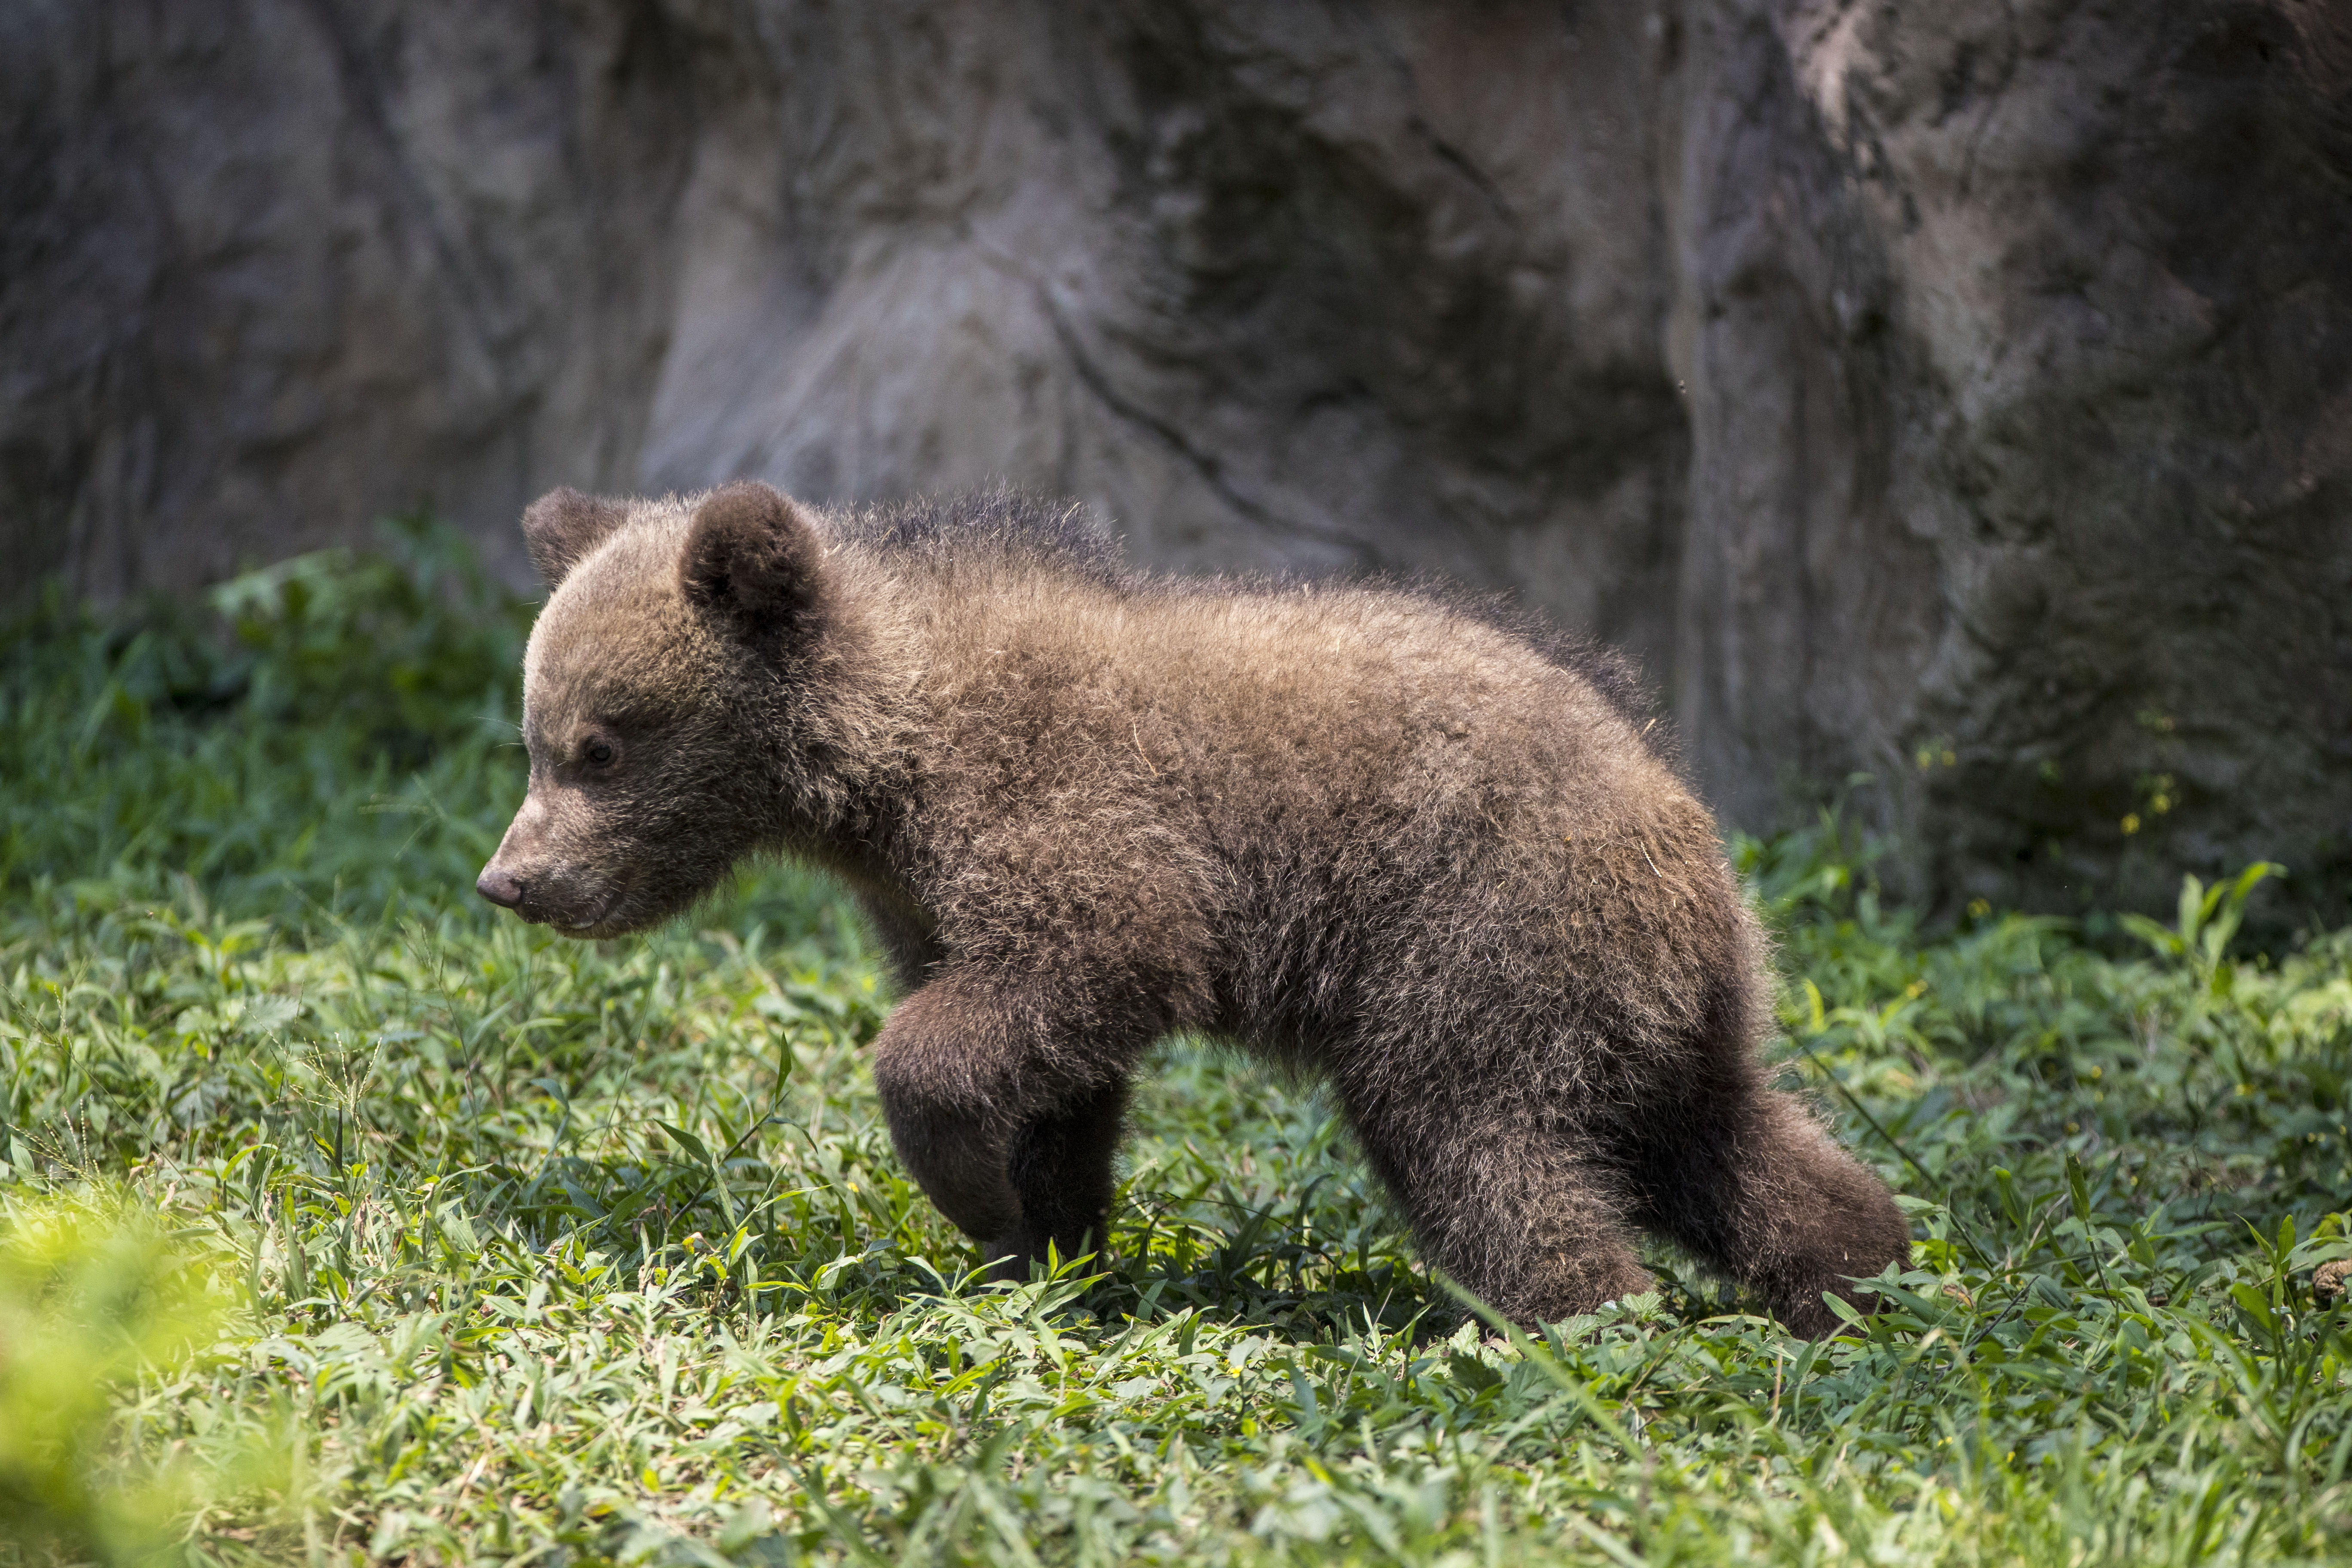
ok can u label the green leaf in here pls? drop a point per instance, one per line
(1471, 1373)
(688, 1142)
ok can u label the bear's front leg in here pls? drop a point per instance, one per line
(1061, 1166)
(1005, 1104)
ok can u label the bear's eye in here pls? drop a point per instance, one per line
(599, 753)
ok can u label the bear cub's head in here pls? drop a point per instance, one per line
(647, 685)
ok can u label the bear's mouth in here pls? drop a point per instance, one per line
(589, 925)
(566, 923)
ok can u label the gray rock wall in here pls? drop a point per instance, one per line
(1959, 395)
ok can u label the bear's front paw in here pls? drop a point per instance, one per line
(1009, 1260)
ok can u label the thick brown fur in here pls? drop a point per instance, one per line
(1396, 841)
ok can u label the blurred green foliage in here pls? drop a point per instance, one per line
(96, 1300)
(342, 1221)
(289, 747)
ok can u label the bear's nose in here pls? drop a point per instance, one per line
(498, 888)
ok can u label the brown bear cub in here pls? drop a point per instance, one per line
(1399, 842)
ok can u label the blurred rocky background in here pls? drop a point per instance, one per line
(1959, 395)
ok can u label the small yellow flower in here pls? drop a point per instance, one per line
(2131, 822)
(1980, 907)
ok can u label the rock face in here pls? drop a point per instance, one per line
(1960, 395)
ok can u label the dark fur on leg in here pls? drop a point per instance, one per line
(1061, 1171)
(1753, 1185)
(1511, 1212)
(1007, 1108)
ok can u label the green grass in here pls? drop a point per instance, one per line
(344, 1222)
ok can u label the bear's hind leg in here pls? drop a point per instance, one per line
(1751, 1183)
(1502, 1204)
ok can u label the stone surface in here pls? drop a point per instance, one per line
(2023, 430)
(1956, 395)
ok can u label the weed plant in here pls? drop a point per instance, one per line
(344, 1221)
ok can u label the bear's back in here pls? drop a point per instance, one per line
(1031, 627)
(1254, 700)
(999, 533)
(994, 526)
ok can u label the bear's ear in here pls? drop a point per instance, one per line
(563, 526)
(753, 558)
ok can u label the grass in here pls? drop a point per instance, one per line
(344, 1222)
